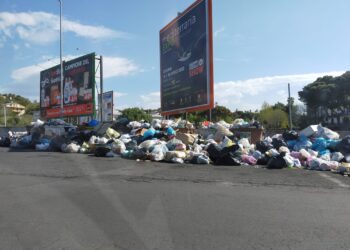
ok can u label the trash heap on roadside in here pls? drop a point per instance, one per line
(177, 141)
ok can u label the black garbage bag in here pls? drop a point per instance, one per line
(121, 126)
(290, 135)
(140, 154)
(231, 149)
(82, 136)
(256, 124)
(233, 138)
(263, 146)
(263, 160)
(277, 143)
(228, 159)
(344, 145)
(226, 156)
(57, 142)
(102, 151)
(132, 145)
(214, 152)
(5, 142)
(276, 162)
(159, 135)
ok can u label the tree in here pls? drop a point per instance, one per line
(245, 115)
(281, 106)
(327, 97)
(273, 118)
(265, 105)
(222, 113)
(136, 114)
(31, 107)
(15, 98)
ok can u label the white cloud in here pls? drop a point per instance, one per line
(116, 99)
(151, 100)
(251, 93)
(118, 66)
(217, 32)
(118, 94)
(15, 46)
(43, 27)
(25, 73)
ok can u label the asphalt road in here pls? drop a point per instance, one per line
(72, 201)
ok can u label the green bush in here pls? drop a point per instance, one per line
(136, 114)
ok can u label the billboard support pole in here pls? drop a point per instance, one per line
(61, 75)
(210, 115)
(101, 87)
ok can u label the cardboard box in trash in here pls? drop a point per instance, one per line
(252, 134)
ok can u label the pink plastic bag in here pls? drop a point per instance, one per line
(249, 159)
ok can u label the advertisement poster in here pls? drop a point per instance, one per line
(78, 88)
(186, 61)
(107, 106)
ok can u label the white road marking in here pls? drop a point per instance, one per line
(334, 180)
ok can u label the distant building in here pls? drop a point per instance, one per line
(16, 108)
(329, 117)
(156, 115)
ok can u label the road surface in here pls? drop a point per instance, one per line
(73, 201)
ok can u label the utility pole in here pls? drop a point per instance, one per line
(290, 109)
(61, 62)
(101, 87)
(5, 115)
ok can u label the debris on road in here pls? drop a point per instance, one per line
(177, 141)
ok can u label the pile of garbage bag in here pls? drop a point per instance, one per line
(176, 141)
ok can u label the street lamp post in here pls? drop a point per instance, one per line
(5, 115)
(61, 62)
(5, 111)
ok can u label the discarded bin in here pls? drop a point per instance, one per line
(252, 134)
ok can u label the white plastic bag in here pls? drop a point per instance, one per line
(118, 146)
(245, 143)
(158, 152)
(148, 144)
(327, 133)
(70, 148)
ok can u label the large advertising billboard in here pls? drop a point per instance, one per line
(78, 88)
(186, 61)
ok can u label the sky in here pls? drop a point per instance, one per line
(259, 46)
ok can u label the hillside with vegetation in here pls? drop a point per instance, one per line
(12, 118)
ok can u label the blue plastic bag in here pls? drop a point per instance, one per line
(93, 123)
(291, 143)
(170, 131)
(302, 143)
(320, 144)
(149, 134)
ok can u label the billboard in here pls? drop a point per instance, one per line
(78, 88)
(186, 61)
(107, 106)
